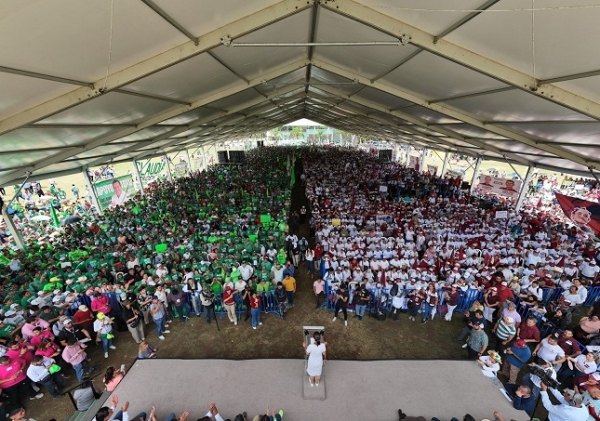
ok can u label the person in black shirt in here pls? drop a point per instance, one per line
(281, 298)
(473, 319)
(71, 332)
(341, 303)
(363, 296)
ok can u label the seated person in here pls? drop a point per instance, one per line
(522, 398)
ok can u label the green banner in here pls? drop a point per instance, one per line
(114, 191)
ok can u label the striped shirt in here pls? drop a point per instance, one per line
(504, 331)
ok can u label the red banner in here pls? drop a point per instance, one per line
(583, 213)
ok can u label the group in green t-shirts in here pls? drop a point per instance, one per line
(201, 226)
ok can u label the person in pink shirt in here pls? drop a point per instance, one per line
(49, 349)
(31, 323)
(39, 335)
(14, 382)
(22, 350)
(100, 304)
(74, 354)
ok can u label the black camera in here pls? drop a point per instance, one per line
(544, 377)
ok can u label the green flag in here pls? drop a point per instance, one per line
(293, 177)
(54, 216)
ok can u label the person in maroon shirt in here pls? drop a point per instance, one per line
(568, 344)
(529, 331)
(505, 293)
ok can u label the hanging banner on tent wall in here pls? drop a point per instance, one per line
(413, 161)
(180, 169)
(115, 191)
(432, 169)
(454, 174)
(151, 171)
(502, 186)
(583, 213)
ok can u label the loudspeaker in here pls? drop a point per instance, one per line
(260, 143)
(465, 185)
(223, 157)
(385, 155)
(237, 157)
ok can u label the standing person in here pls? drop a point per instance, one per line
(319, 291)
(159, 314)
(144, 300)
(363, 296)
(229, 304)
(74, 354)
(505, 332)
(207, 298)
(477, 342)
(290, 288)
(309, 257)
(104, 332)
(281, 299)
(341, 303)
(178, 300)
(14, 382)
(75, 191)
(255, 303)
(452, 298)
(516, 357)
(43, 370)
(570, 405)
(134, 320)
(430, 303)
(316, 359)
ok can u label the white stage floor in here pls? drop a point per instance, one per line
(352, 390)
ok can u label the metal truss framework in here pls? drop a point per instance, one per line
(310, 96)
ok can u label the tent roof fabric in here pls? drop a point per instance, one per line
(86, 83)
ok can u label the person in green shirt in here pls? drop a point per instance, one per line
(6, 332)
(50, 314)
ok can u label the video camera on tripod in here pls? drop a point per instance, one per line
(544, 376)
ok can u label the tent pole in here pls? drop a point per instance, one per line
(92, 191)
(138, 175)
(524, 187)
(10, 224)
(446, 160)
(475, 172)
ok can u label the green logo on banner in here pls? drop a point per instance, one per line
(152, 169)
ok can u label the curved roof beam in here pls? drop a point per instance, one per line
(154, 64)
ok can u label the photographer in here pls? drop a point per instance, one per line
(341, 303)
(207, 297)
(570, 407)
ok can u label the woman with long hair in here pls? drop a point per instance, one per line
(316, 356)
(112, 378)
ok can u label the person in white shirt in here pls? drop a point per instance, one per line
(246, 271)
(41, 371)
(549, 351)
(570, 407)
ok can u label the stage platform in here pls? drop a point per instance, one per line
(351, 390)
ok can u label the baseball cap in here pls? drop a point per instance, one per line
(520, 343)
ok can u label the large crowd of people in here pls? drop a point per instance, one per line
(383, 239)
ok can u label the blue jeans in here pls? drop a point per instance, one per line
(160, 325)
(360, 310)
(310, 266)
(79, 369)
(255, 312)
(106, 343)
(290, 297)
(426, 311)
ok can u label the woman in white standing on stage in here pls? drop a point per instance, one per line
(316, 356)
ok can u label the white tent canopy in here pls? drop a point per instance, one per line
(88, 82)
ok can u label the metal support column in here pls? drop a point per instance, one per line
(138, 175)
(90, 187)
(203, 158)
(423, 154)
(524, 187)
(169, 168)
(445, 164)
(475, 173)
(10, 225)
(189, 165)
